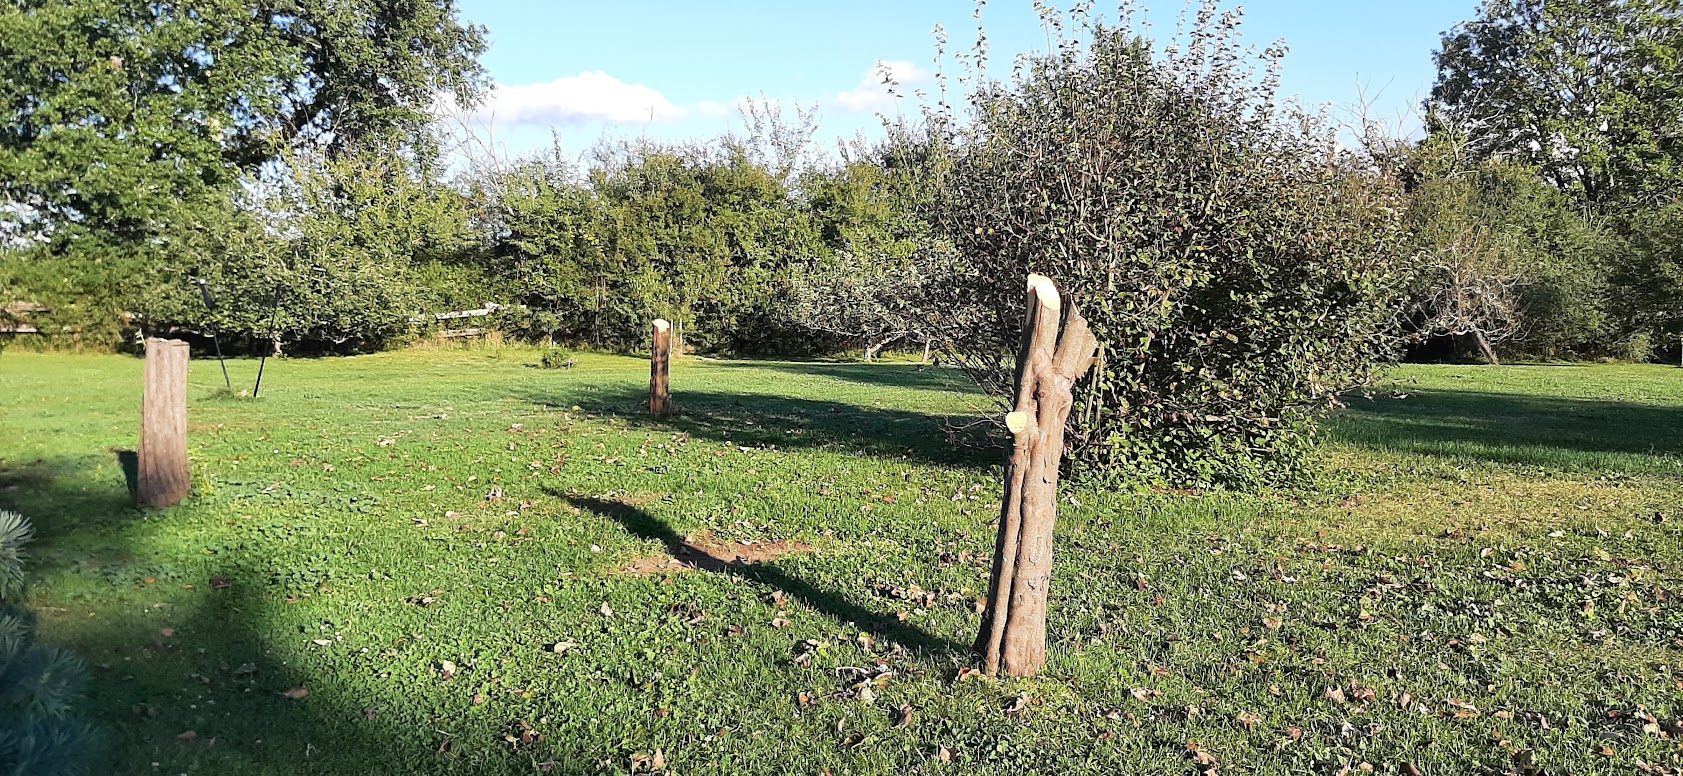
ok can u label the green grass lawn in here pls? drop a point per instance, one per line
(1489, 575)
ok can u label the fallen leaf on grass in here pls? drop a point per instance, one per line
(903, 717)
(447, 669)
(562, 646)
(1206, 762)
(187, 737)
(295, 693)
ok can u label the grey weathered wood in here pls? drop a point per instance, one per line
(163, 475)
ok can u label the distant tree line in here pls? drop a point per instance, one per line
(1241, 260)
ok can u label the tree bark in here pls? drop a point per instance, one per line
(163, 479)
(1484, 348)
(873, 348)
(1013, 634)
(660, 358)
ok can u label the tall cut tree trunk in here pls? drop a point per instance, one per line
(660, 359)
(1013, 635)
(164, 479)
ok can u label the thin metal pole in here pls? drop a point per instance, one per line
(275, 310)
(210, 304)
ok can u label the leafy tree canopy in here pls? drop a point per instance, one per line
(1588, 92)
(113, 111)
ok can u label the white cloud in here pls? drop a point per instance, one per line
(587, 98)
(872, 95)
(712, 109)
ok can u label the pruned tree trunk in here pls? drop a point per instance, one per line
(1013, 634)
(660, 359)
(1485, 349)
(163, 476)
(926, 345)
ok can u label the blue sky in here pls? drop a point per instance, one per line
(673, 70)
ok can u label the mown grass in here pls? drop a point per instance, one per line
(1488, 577)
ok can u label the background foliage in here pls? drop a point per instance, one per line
(1242, 266)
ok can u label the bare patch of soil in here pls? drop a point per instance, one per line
(708, 553)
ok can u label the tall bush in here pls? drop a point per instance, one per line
(1238, 267)
(704, 235)
(1494, 233)
(1650, 302)
(360, 246)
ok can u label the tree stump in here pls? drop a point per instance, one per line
(660, 364)
(163, 477)
(1013, 635)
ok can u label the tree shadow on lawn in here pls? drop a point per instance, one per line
(765, 420)
(209, 693)
(909, 376)
(830, 604)
(1514, 429)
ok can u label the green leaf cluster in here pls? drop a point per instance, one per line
(1238, 267)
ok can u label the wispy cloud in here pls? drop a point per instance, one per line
(588, 98)
(881, 88)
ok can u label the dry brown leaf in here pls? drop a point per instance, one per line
(295, 693)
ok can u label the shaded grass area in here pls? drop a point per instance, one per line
(1601, 419)
(1484, 573)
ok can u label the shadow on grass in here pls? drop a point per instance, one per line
(834, 605)
(909, 376)
(787, 422)
(189, 679)
(1515, 429)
